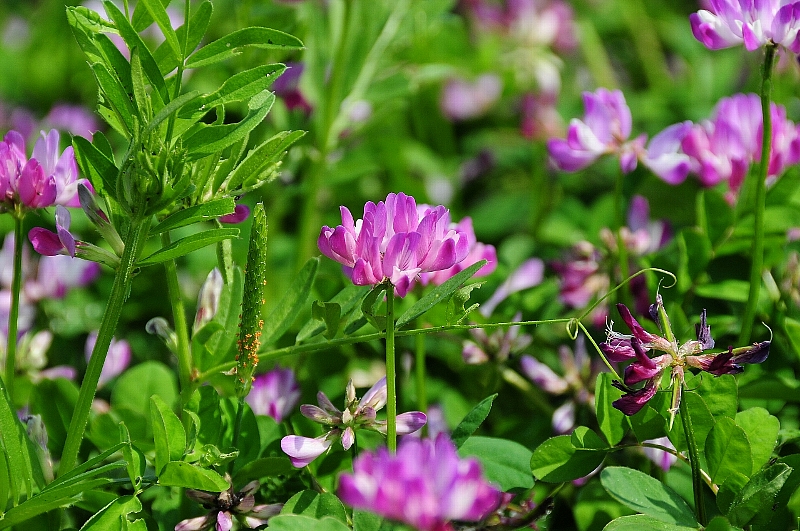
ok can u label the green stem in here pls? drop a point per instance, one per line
(694, 462)
(179, 74)
(237, 427)
(622, 250)
(13, 315)
(391, 376)
(420, 373)
(183, 352)
(134, 241)
(760, 197)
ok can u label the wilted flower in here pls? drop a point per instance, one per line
(425, 484)
(226, 506)
(463, 100)
(580, 372)
(117, 359)
(394, 241)
(754, 23)
(619, 348)
(274, 394)
(344, 424)
(44, 180)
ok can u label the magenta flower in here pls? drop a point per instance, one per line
(240, 214)
(425, 484)
(274, 394)
(395, 242)
(754, 23)
(344, 424)
(477, 251)
(117, 359)
(644, 369)
(51, 243)
(44, 180)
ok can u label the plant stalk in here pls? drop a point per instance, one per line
(694, 462)
(391, 375)
(757, 254)
(183, 352)
(134, 241)
(13, 315)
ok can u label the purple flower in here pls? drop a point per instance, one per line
(58, 274)
(287, 87)
(634, 348)
(225, 506)
(477, 251)
(208, 299)
(496, 347)
(394, 241)
(529, 274)
(662, 458)
(117, 359)
(357, 414)
(74, 119)
(425, 484)
(240, 214)
(754, 23)
(274, 394)
(51, 243)
(463, 100)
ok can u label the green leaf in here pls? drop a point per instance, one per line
(261, 158)
(292, 303)
(170, 108)
(116, 97)
(296, 522)
(168, 434)
(231, 45)
(89, 469)
(329, 313)
(721, 394)
(202, 212)
(188, 244)
(720, 523)
(727, 290)
(5, 481)
(136, 385)
(614, 424)
(641, 522)
(792, 329)
(109, 518)
(264, 467)
(348, 299)
(180, 474)
(135, 461)
(647, 495)
(648, 423)
(472, 421)
(762, 430)
(13, 439)
(758, 496)
(505, 463)
(159, 14)
(370, 305)
(366, 521)
(140, 97)
(702, 421)
(47, 501)
(205, 403)
(209, 139)
(100, 170)
(727, 450)
(456, 311)
(198, 24)
(716, 215)
(438, 294)
(315, 505)
(557, 460)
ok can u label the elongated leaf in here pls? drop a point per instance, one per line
(472, 421)
(168, 433)
(213, 138)
(330, 314)
(727, 451)
(110, 516)
(261, 157)
(292, 303)
(188, 244)
(198, 24)
(758, 496)
(613, 423)
(99, 169)
(12, 437)
(116, 96)
(231, 45)
(197, 213)
(505, 463)
(640, 522)
(85, 470)
(47, 501)
(140, 96)
(557, 460)
(438, 294)
(180, 474)
(170, 108)
(647, 495)
(159, 14)
(5, 481)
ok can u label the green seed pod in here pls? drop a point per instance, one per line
(251, 324)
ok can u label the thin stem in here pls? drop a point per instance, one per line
(134, 241)
(391, 376)
(237, 427)
(179, 73)
(13, 315)
(420, 374)
(183, 352)
(760, 197)
(694, 462)
(622, 250)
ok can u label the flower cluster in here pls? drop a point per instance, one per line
(45, 179)
(620, 348)
(723, 148)
(754, 23)
(496, 347)
(344, 424)
(226, 506)
(425, 484)
(606, 129)
(394, 241)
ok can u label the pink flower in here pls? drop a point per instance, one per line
(45, 179)
(357, 414)
(274, 394)
(51, 243)
(463, 100)
(529, 274)
(425, 484)
(208, 299)
(754, 23)
(477, 251)
(117, 359)
(394, 241)
(58, 274)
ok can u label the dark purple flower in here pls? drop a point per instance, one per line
(226, 506)
(287, 87)
(425, 484)
(240, 214)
